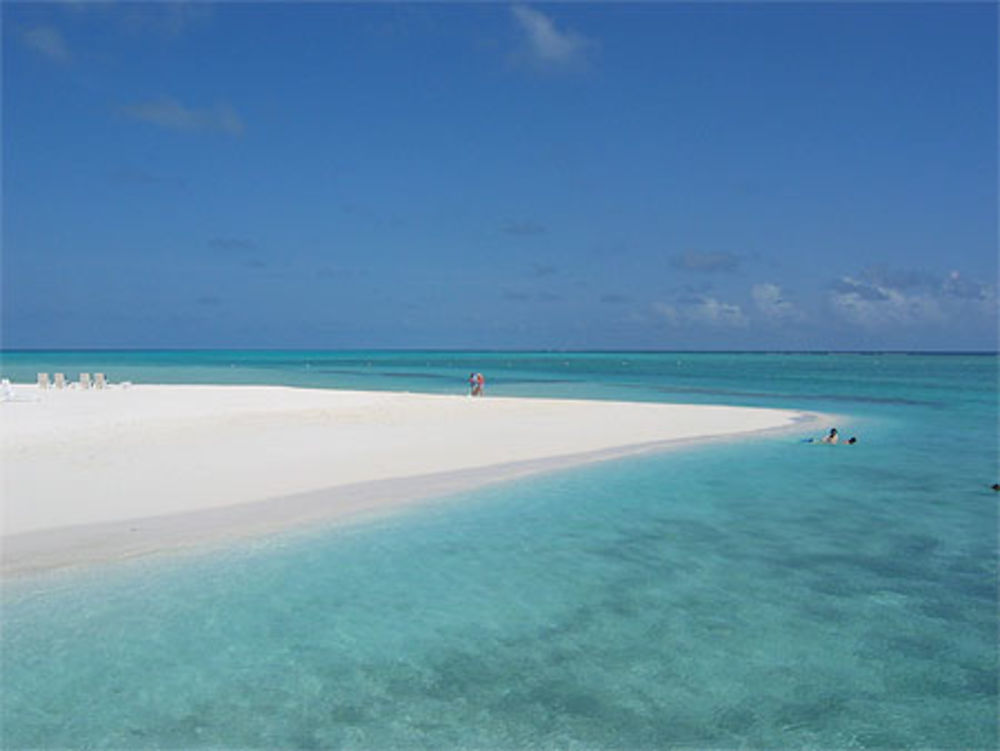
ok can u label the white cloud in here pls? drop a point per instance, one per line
(874, 306)
(717, 313)
(48, 42)
(702, 311)
(880, 301)
(171, 114)
(547, 45)
(957, 286)
(771, 302)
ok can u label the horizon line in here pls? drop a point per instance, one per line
(512, 350)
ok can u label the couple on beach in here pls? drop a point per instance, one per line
(476, 384)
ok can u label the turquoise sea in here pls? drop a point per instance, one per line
(759, 594)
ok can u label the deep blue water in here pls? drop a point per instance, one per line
(756, 594)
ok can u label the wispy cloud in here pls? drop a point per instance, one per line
(545, 44)
(701, 311)
(48, 42)
(881, 299)
(150, 18)
(172, 115)
(872, 302)
(771, 302)
(873, 306)
(885, 276)
(849, 287)
(168, 19)
(705, 262)
(956, 285)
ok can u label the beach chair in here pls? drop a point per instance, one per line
(43, 380)
(84, 380)
(60, 380)
(99, 381)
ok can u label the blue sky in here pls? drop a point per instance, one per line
(575, 175)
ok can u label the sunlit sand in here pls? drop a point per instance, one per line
(90, 475)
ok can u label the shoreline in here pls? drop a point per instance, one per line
(260, 471)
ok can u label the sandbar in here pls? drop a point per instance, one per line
(93, 475)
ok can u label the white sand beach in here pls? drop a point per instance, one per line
(96, 474)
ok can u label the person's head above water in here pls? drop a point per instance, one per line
(833, 431)
(852, 439)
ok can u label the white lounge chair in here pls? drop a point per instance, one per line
(99, 381)
(60, 380)
(8, 394)
(43, 380)
(84, 380)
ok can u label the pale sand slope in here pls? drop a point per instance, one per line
(96, 457)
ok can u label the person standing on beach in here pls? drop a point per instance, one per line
(473, 384)
(480, 384)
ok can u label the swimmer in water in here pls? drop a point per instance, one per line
(832, 438)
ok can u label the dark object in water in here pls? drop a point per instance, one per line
(996, 486)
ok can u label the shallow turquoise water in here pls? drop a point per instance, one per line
(763, 594)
